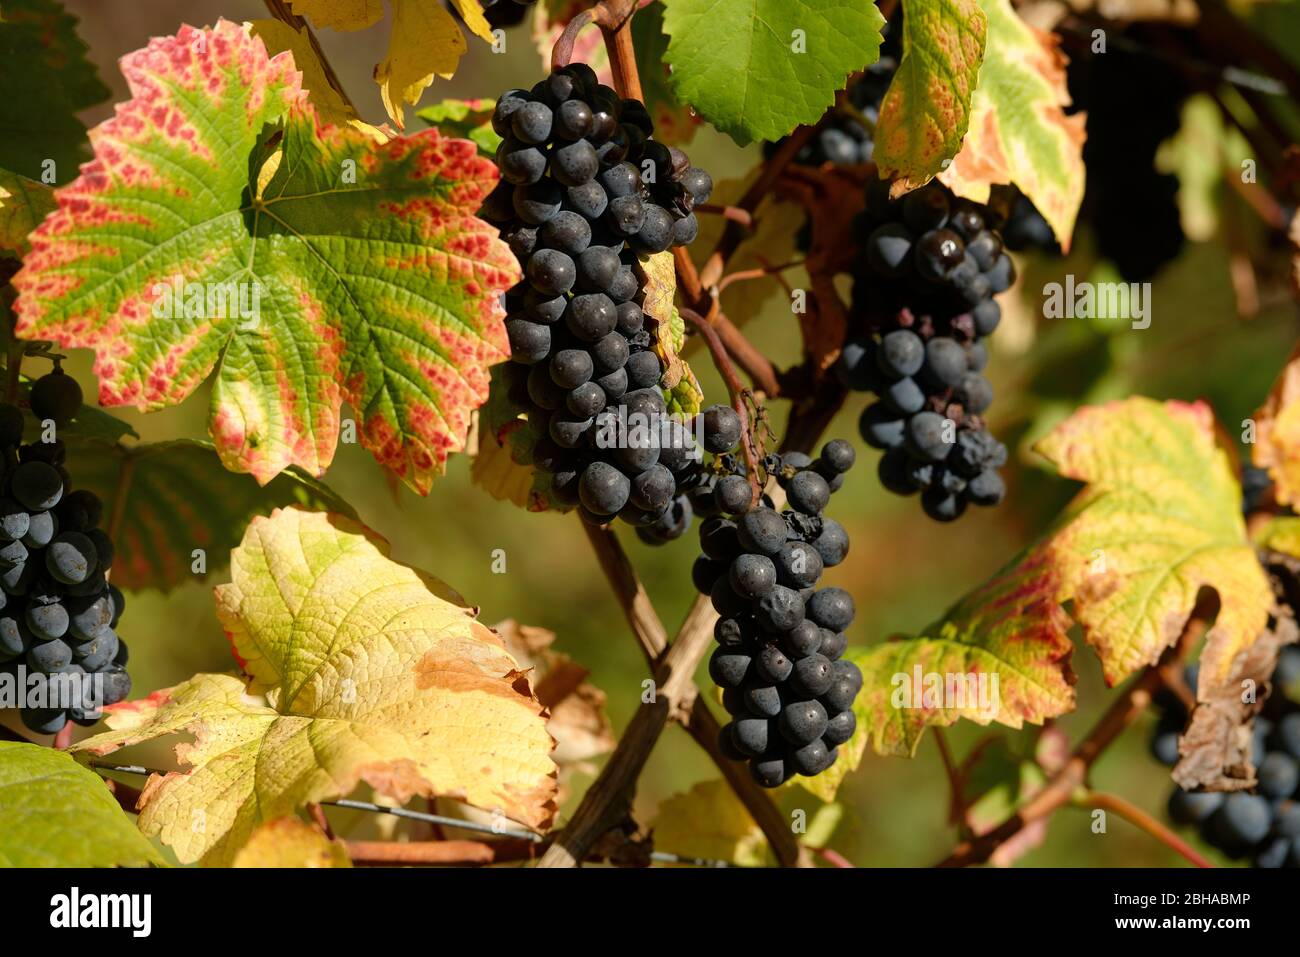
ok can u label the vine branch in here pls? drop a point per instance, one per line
(1073, 775)
(1141, 819)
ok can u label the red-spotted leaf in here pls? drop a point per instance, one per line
(223, 226)
(1000, 654)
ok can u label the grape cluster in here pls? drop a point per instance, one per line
(584, 191)
(780, 637)
(925, 283)
(57, 610)
(1263, 827)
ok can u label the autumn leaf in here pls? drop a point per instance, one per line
(1001, 654)
(425, 42)
(1019, 132)
(658, 276)
(340, 14)
(369, 672)
(55, 813)
(330, 105)
(367, 276)
(291, 842)
(927, 107)
(1159, 518)
(23, 204)
(710, 822)
(466, 119)
(1277, 433)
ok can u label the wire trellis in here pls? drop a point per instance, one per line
(534, 837)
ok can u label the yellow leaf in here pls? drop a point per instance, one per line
(425, 42)
(371, 671)
(1277, 433)
(340, 14)
(290, 842)
(709, 822)
(494, 471)
(471, 11)
(23, 204)
(279, 37)
(1159, 518)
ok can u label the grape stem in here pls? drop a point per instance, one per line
(562, 52)
(1141, 819)
(1061, 788)
(742, 275)
(957, 805)
(740, 397)
(605, 804)
(733, 213)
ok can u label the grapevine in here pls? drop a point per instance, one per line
(610, 280)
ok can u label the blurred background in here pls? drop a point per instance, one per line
(1222, 326)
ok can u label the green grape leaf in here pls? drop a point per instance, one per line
(23, 204)
(221, 226)
(362, 670)
(756, 69)
(675, 124)
(466, 119)
(1019, 132)
(55, 813)
(1000, 654)
(46, 79)
(166, 499)
(926, 110)
(1159, 519)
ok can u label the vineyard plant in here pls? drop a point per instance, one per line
(649, 434)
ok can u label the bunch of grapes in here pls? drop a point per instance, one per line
(925, 284)
(584, 191)
(780, 637)
(57, 610)
(1263, 827)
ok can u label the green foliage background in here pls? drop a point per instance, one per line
(903, 570)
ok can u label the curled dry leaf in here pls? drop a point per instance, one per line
(362, 670)
(1277, 433)
(577, 707)
(1217, 747)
